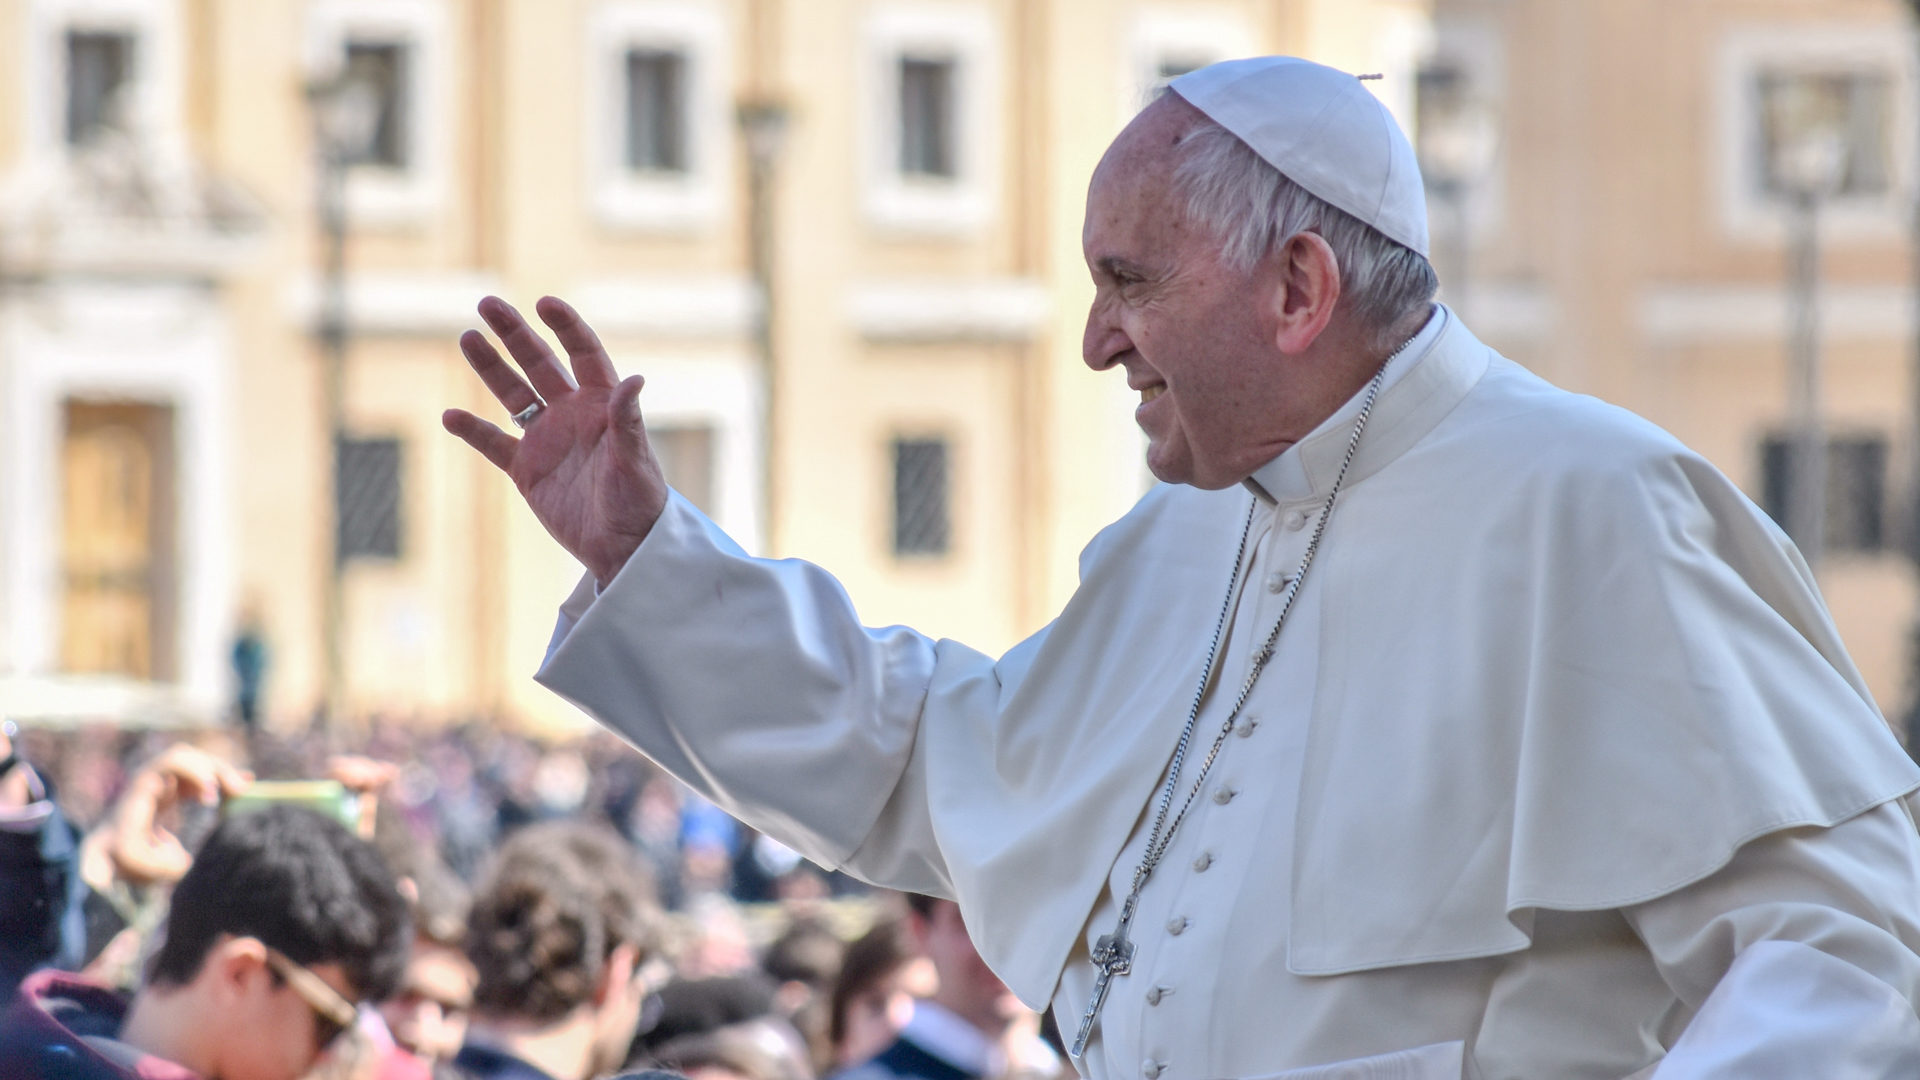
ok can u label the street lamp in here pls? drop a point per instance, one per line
(1809, 165)
(1459, 138)
(346, 115)
(763, 127)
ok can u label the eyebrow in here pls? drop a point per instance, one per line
(1116, 266)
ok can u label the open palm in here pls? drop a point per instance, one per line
(583, 463)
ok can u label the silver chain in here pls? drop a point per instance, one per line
(1162, 835)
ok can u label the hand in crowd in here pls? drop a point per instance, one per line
(583, 463)
(16, 790)
(135, 839)
(366, 778)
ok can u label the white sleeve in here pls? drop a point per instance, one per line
(1797, 959)
(754, 682)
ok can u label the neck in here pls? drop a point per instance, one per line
(563, 1049)
(162, 1022)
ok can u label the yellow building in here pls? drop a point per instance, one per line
(1631, 236)
(932, 435)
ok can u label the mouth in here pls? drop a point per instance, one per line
(1149, 393)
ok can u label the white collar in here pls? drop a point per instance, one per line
(1284, 479)
(941, 1032)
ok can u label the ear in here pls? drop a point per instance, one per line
(1306, 292)
(617, 976)
(235, 964)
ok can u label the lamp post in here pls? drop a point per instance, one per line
(1459, 137)
(345, 113)
(1809, 164)
(763, 127)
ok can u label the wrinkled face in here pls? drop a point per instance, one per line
(1194, 336)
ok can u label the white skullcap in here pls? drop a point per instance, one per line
(1325, 131)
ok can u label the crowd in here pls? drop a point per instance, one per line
(456, 903)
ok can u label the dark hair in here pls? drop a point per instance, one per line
(300, 883)
(559, 899)
(807, 952)
(872, 957)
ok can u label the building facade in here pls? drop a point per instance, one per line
(1630, 230)
(840, 237)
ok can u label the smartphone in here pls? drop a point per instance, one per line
(328, 797)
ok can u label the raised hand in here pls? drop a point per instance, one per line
(583, 463)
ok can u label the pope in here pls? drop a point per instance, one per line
(1427, 721)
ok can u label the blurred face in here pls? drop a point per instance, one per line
(874, 1019)
(1195, 337)
(967, 984)
(276, 1027)
(429, 1014)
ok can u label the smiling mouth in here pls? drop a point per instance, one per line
(1152, 392)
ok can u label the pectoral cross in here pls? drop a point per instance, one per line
(1112, 955)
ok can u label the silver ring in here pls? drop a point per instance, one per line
(525, 417)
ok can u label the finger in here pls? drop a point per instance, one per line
(527, 348)
(501, 380)
(495, 445)
(591, 364)
(624, 422)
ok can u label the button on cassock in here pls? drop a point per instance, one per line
(1151, 1069)
(1224, 795)
(1296, 520)
(1205, 860)
(1154, 995)
(1177, 925)
(1278, 581)
(1245, 727)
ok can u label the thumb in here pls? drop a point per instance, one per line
(629, 431)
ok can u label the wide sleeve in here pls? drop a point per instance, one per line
(1798, 958)
(754, 682)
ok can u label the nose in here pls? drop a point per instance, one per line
(1104, 340)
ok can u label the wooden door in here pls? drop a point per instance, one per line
(116, 542)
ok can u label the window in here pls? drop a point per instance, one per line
(398, 51)
(1853, 110)
(99, 66)
(686, 455)
(382, 67)
(1168, 40)
(927, 118)
(922, 522)
(929, 96)
(656, 110)
(367, 513)
(1823, 104)
(660, 134)
(1855, 493)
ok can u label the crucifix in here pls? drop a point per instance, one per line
(1112, 955)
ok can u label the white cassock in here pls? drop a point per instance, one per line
(1559, 771)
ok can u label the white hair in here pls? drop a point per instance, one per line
(1253, 208)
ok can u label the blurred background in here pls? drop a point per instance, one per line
(841, 239)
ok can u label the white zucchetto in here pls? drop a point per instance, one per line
(1325, 131)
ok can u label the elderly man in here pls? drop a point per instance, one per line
(1428, 721)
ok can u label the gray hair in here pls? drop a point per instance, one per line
(1253, 208)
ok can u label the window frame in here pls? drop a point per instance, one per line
(411, 195)
(1745, 213)
(949, 454)
(692, 200)
(155, 68)
(892, 200)
(1161, 34)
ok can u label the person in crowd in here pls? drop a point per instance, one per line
(564, 935)
(972, 1027)
(745, 1051)
(1470, 725)
(284, 923)
(881, 976)
(428, 1015)
(804, 961)
(65, 897)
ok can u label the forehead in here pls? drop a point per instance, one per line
(1132, 187)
